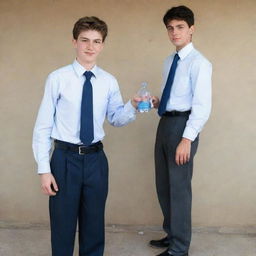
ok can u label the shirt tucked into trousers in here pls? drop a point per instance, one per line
(190, 99)
(82, 179)
(83, 186)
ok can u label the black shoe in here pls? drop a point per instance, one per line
(166, 253)
(162, 243)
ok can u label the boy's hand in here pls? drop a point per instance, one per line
(135, 100)
(155, 101)
(183, 151)
(48, 184)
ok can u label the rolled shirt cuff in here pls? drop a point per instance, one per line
(129, 108)
(43, 168)
(190, 133)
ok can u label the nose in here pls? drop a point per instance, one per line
(90, 45)
(174, 32)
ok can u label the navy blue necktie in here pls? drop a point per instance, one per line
(168, 86)
(86, 128)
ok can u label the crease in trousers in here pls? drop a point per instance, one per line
(173, 183)
(83, 187)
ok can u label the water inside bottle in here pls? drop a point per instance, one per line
(144, 105)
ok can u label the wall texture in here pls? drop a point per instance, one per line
(36, 39)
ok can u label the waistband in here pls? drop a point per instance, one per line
(177, 113)
(80, 149)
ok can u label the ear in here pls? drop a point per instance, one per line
(74, 42)
(102, 46)
(191, 30)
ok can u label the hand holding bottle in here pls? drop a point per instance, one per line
(144, 105)
(155, 101)
(135, 101)
(143, 101)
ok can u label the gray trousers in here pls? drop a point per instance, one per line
(173, 183)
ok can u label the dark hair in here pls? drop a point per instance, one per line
(179, 13)
(90, 23)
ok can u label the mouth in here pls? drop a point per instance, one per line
(89, 53)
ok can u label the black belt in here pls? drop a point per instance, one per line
(80, 149)
(177, 113)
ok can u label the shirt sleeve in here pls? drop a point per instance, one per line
(42, 141)
(119, 114)
(201, 73)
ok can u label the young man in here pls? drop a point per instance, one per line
(76, 100)
(184, 108)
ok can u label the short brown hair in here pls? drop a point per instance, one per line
(90, 23)
(179, 13)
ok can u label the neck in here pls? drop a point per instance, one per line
(178, 48)
(86, 65)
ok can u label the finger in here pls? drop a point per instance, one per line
(188, 157)
(185, 158)
(177, 159)
(181, 159)
(154, 102)
(137, 99)
(55, 185)
(49, 191)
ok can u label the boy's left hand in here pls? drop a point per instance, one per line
(183, 151)
(155, 101)
(135, 100)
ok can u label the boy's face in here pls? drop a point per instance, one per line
(88, 46)
(179, 33)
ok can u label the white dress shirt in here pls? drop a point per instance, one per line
(59, 113)
(191, 88)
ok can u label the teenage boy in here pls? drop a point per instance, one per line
(76, 101)
(184, 108)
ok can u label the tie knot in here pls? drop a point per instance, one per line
(88, 75)
(176, 57)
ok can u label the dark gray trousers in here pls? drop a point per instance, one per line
(173, 183)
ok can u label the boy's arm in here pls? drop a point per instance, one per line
(119, 114)
(201, 106)
(201, 74)
(42, 137)
(43, 128)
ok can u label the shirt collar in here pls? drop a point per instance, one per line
(79, 69)
(183, 53)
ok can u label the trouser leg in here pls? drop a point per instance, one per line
(180, 202)
(92, 205)
(66, 168)
(179, 184)
(162, 178)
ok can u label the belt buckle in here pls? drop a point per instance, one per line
(80, 150)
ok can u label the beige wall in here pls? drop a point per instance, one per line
(35, 39)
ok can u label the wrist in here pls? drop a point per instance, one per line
(134, 104)
(186, 140)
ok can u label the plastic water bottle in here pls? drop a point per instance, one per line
(144, 105)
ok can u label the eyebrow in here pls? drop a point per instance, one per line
(178, 25)
(82, 37)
